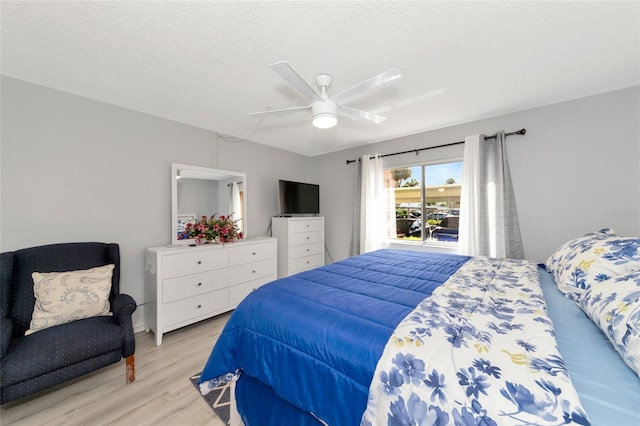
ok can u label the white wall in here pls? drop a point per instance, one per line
(575, 171)
(73, 169)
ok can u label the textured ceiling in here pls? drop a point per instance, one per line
(207, 63)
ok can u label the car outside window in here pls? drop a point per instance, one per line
(427, 201)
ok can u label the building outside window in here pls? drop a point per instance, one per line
(427, 201)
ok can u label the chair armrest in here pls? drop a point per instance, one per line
(6, 332)
(123, 307)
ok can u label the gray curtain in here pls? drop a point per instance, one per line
(489, 217)
(354, 249)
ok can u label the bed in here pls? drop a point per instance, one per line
(345, 344)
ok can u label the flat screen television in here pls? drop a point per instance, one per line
(298, 198)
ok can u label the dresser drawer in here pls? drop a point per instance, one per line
(297, 226)
(304, 263)
(191, 285)
(245, 254)
(194, 307)
(250, 271)
(238, 292)
(305, 238)
(184, 285)
(194, 262)
(305, 250)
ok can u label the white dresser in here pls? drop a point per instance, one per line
(188, 284)
(300, 243)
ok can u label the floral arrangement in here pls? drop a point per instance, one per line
(211, 229)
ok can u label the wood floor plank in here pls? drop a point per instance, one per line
(161, 395)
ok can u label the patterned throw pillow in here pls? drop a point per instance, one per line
(593, 258)
(614, 305)
(62, 297)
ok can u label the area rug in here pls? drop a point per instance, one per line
(219, 399)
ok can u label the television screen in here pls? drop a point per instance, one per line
(299, 198)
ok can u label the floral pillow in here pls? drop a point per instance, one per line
(593, 258)
(614, 305)
(62, 297)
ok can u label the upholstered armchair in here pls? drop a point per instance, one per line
(54, 354)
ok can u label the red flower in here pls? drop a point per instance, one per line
(209, 229)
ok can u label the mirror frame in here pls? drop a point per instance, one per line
(198, 172)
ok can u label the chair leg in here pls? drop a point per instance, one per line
(131, 369)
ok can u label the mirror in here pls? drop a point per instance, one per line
(201, 191)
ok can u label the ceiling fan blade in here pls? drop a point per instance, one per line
(357, 114)
(287, 72)
(279, 111)
(359, 89)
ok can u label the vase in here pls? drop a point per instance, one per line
(211, 241)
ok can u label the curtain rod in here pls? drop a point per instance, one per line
(518, 132)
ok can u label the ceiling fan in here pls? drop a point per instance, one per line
(326, 109)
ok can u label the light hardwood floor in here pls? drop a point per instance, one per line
(161, 395)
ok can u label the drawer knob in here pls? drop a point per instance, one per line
(199, 306)
(199, 262)
(254, 253)
(307, 250)
(253, 272)
(307, 238)
(199, 284)
(307, 262)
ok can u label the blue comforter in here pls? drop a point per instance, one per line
(315, 338)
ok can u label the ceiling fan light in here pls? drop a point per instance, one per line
(324, 120)
(324, 114)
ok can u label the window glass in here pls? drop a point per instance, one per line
(427, 201)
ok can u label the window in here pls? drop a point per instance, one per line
(427, 201)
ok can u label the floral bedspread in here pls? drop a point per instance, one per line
(480, 351)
